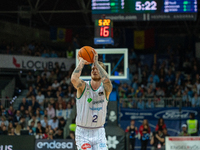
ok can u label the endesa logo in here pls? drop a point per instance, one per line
(185, 147)
(55, 145)
(6, 147)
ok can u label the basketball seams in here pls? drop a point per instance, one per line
(88, 54)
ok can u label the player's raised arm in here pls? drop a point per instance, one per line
(78, 83)
(104, 75)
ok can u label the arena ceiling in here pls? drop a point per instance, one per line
(77, 14)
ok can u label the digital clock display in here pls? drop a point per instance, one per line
(122, 10)
(103, 28)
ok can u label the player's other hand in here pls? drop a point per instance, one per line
(95, 56)
(83, 60)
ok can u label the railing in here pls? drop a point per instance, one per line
(148, 103)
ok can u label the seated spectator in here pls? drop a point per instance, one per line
(184, 131)
(45, 54)
(50, 110)
(30, 111)
(18, 129)
(140, 104)
(11, 113)
(53, 123)
(158, 141)
(162, 84)
(10, 126)
(27, 118)
(55, 85)
(30, 79)
(39, 82)
(49, 95)
(31, 92)
(64, 85)
(59, 134)
(131, 93)
(68, 111)
(61, 101)
(60, 112)
(44, 122)
(22, 110)
(23, 103)
(3, 130)
(45, 135)
(149, 104)
(165, 132)
(53, 54)
(50, 135)
(46, 72)
(153, 84)
(40, 99)
(71, 135)
(60, 93)
(62, 123)
(52, 77)
(160, 92)
(34, 103)
(195, 100)
(149, 93)
(161, 124)
(39, 130)
(32, 128)
(154, 76)
(17, 118)
(22, 122)
(33, 119)
(12, 132)
(38, 116)
(3, 119)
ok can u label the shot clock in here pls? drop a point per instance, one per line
(103, 31)
(103, 28)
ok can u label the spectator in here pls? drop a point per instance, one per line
(38, 82)
(31, 92)
(153, 84)
(3, 119)
(160, 92)
(140, 104)
(30, 79)
(61, 101)
(60, 93)
(149, 93)
(40, 130)
(53, 123)
(40, 99)
(17, 118)
(70, 52)
(62, 123)
(22, 122)
(60, 112)
(53, 54)
(3, 130)
(30, 111)
(145, 134)
(10, 126)
(10, 113)
(68, 111)
(12, 132)
(50, 135)
(23, 103)
(50, 110)
(149, 104)
(64, 86)
(34, 103)
(158, 141)
(44, 122)
(59, 134)
(71, 135)
(195, 100)
(165, 132)
(184, 131)
(161, 124)
(52, 77)
(45, 54)
(193, 125)
(132, 129)
(154, 76)
(18, 129)
(38, 116)
(46, 72)
(55, 85)
(33, 119)
(32, 128)
(45, 135)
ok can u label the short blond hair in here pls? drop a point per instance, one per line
(102, 65)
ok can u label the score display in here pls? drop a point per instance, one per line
(142, 10)
(103, 31)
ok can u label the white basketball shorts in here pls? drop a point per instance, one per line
(90, 139)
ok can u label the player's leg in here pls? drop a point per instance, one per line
(100, 142)
(82, 142)
(100, 146)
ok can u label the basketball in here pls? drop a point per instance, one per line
(86, 53)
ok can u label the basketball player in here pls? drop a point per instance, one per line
(92, 99)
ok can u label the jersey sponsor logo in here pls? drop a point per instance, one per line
(89, 100)
(97, 108)
(102, 145)
(97, 102)
(85, 146)
(100, 93)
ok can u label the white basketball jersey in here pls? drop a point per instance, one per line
(91, 107)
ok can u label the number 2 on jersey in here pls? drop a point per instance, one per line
(95, 118)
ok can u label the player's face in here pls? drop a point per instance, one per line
(95, 74)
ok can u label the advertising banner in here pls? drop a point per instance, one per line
(17, 142)
(57, 144)
(36, 63)
(182, 143)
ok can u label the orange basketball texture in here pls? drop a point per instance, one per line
(86, 53)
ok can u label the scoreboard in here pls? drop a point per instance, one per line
(145, 10)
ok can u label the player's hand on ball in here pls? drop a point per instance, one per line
(83, 60)
(95, 56)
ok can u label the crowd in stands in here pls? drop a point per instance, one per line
(165, 84)
(46, 108)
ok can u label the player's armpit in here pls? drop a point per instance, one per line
(107, 85)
